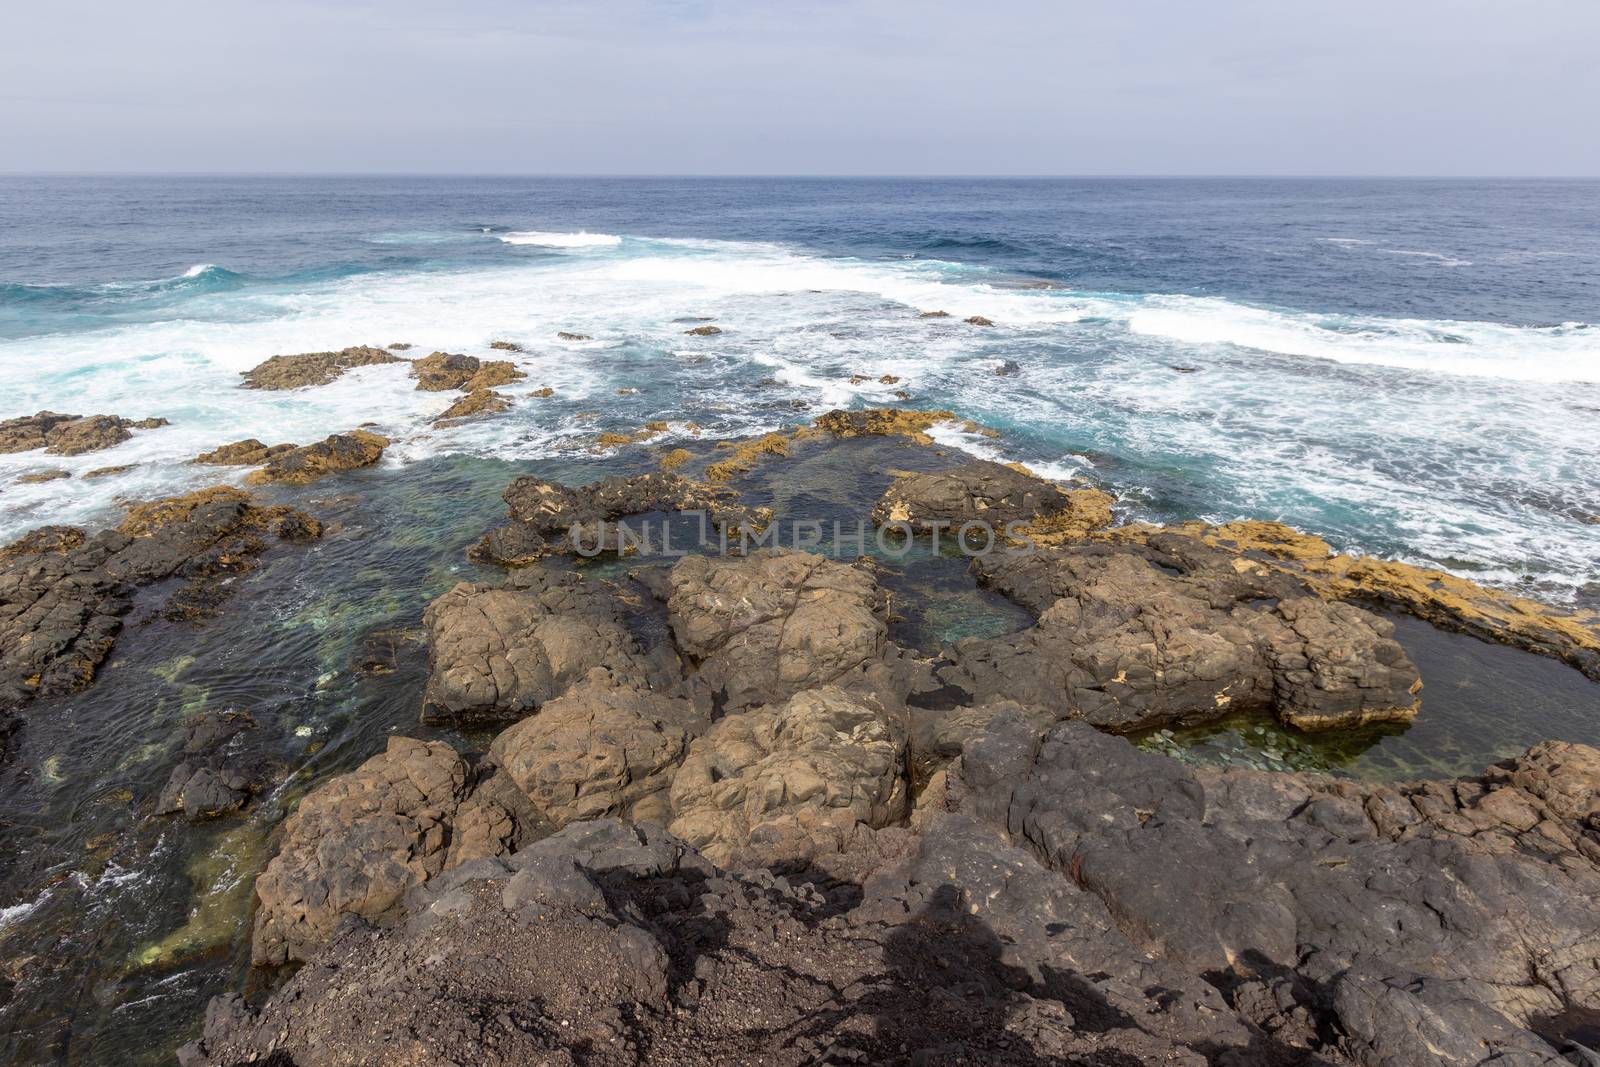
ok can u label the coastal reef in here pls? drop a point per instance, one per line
(69, 435)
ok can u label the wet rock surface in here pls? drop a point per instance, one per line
(447, 370)
(549, 518)
(992, 494)
(246, 453)
(332, 455)
(69, 435)
(64, 593)
(313, 368)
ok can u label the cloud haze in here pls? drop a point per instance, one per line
(804, 87)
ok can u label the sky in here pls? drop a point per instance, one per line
(1006, 87)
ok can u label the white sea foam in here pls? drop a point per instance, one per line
(1471, 400)
(1439, 257)
(18, 912)
(198, 269)
(1482, 349)
(581, 239)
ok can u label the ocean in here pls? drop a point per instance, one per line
(1410, 368)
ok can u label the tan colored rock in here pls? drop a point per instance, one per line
(787, 781)
(598, 750)
(336, 453)
(40, 477)
(314, 368)
(476, 403)
(246, 453)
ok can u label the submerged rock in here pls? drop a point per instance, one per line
(314, 368)
(63, 593)
(69, 435)
(40, 477)
(883, 422)
(336, 453)
(704, 331)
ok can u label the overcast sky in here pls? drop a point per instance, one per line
(1447, 87)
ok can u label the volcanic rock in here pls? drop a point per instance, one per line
(314, 368)
(335, 453)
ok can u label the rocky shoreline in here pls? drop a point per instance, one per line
(717, 813)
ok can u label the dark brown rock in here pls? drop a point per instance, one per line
(498, 653)
(69, 435)
(991, 494)
(476, 403)
(63, 592)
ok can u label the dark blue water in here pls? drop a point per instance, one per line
(1533, 245)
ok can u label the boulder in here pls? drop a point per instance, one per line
(445, 370)
(598, 750)
(786, 781)
(313, 368)
(332, 455)
(765, 626)
(499, 652)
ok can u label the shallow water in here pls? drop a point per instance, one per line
(1481, 703)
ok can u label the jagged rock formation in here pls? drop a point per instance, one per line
(313, 368)
(446, 370)
(332, 455)
(63, 593)
(1130, 637)
(69, 435)
(478, 402)
(1065, 898)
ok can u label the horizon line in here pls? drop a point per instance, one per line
(752, 176)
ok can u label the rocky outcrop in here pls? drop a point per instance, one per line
(63, 592)
(763, 627)
(54, 474)
(703, 331)
(546, 515)
(1130, 637)
(69, 435)
(598, 750)
(784, 782)
(499, 652)
(246, 453)
(883, 422)
(991, 493)
(1429, 923)
(332, 455)
(356, 844)
(474, 404)
(445, 370)
(313, 368)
